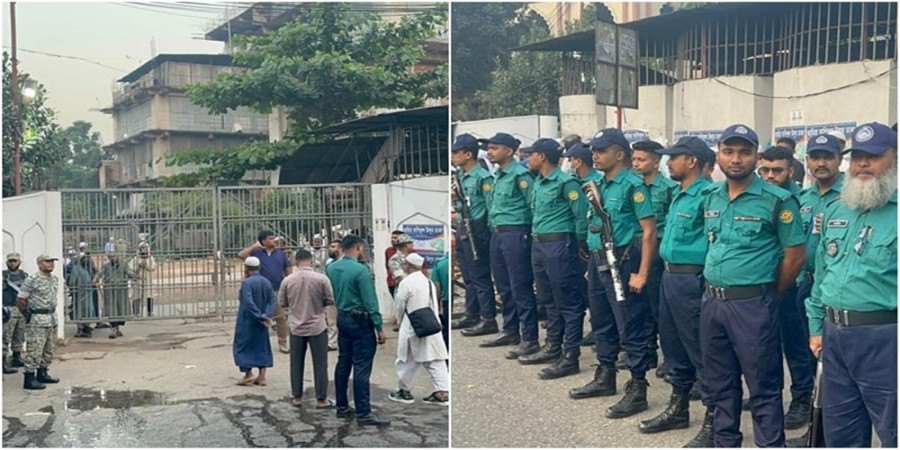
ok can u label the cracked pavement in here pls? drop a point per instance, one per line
(172, 384)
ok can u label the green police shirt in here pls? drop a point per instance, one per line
(813, 203)
(559, 206)
(354, 288)
(661, 190)
(747, 235)
(856, 262)
(510, 200)
(627, 201)
(441, 275)
(476, 185)
(686, 241)
(593, 175)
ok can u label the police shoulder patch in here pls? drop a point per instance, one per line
(573, 195)
(639, 197)
(523, 184)
(786, 216)
(486, 187)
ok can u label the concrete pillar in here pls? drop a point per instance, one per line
(580, 114)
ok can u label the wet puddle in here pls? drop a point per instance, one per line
(81, 399)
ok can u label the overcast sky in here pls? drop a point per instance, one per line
(112, 34)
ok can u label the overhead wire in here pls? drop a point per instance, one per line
(77, 58)
(812, 94)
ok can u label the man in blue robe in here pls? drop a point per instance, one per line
(252, 347)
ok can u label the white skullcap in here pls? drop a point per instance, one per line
(251, 261)
(415, 260)
(82, 244)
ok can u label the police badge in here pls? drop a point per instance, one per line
(832, 248)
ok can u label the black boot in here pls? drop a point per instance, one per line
(463, 323)
(549, 353)
(634, 401)
(31, 382)
(7, 369)
(44, 377)
(525, 348)
(603, 384)
(481, 328)
(503, 339)
(676, 416)
(662, 370)
(799, 412)
(703, 439)
(695, 391)
(798, 442)
(563, 367)
(588, 340)
(17, 360)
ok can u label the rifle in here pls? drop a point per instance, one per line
(464, 210)
(592, 192)
(815, 435)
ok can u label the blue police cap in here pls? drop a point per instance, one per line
(709, 156)
(547, 146)
(824, 142)
(526, 151)
(740, 131)
(579, 150)
(465, 142)
(688, 145)
(503, 139)
(873, 138)
(609, 136)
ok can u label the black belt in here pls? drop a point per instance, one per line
(848, 318)
(736, 292)
(513, 228)
(551, 237)
(355, 312)
(682, 268)
(40, 311)
(619, 251)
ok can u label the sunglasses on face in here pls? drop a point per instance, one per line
(772, 170)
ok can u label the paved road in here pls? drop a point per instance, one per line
(500, 403)
(171, 384)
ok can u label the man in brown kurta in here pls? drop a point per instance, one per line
(305, 294)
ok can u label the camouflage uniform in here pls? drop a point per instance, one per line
(40, 333)
(14, 330)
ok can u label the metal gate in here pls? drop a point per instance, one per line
(194, 236)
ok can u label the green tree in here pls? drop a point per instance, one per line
(42, 145)
(530, 81)
(325, 67)
(83, 165)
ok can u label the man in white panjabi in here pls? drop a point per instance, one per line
(415, 292)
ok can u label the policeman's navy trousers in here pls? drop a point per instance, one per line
(511, 266)
(795, 340)
(477, 273)
(356, 351)
(679, 330)
(743, 337)
(612, 321)
(654, 280)
(859, 385)
(556, 274)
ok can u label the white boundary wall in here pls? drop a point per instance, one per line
(32, 225)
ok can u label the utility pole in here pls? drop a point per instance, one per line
(14, 75)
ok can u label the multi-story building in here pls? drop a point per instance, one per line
(153, 117)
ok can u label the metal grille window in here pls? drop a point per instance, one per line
(420, 151)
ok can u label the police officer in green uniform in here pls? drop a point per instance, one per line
(613, 319)
(776, 167)
(37, 301)
(683, 250)
(476, 183)
(559, 231)
(755, 254)
(646, 165)
(509, 215)
(581, 164)
(359, 328)
(853, 306)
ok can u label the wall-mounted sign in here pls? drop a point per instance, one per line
(616, 60)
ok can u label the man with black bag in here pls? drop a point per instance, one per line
(419, 343)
